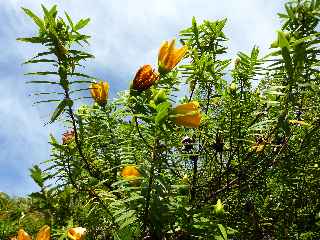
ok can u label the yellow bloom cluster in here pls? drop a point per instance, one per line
(169, 56)
(77, 233)
(43, 234)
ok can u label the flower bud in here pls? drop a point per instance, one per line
(77, 233)
(100, 92)
(187, 114)
(144, 78)
(169, 56)
(22, 235)
(219, 208)
(44, 233)
(68, 137)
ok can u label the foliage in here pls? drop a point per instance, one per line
(139, 167)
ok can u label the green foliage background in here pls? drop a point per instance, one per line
(257, 148)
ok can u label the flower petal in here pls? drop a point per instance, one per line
(22, 235)
(44, 233)
(163, 51)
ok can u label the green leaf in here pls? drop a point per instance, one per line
(195, 29)
(282, 40)
(35, 18)
(42, 54)
(81, 24)
(31, 40)
(223, 231)
(36, 175)
(40, 81)
(218, 238)
(40, 61)
(42, 73)
(53, 11)
(47, 101)
(162, 112)
(82, 75)
(60, 108)
(128, 222)
(70, 21)
(287, 61)
(129, 214)
(49, 19)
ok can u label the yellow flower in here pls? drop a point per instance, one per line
(169, 56)
(99, 92)
(185, 179)
(297, 122)
(187, 114)
(259, 145)
(43, 234)
(22, 235)
(130, 172)
(219, 208)
(77, 233)
(144, 78)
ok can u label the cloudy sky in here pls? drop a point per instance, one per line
(125, 35)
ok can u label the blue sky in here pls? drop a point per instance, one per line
(125, 35)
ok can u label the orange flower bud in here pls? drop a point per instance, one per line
(187, 114)
(169, 56)
(145, 78)
(67, 137)
(44, 233)
(99, 92)
(77, 233)
(130, 172)
(22, 235)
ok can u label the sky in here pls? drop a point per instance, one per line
(125, 35)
